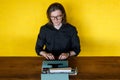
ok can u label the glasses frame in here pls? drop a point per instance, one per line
(59, 17)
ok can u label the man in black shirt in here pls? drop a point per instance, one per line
(57, 39)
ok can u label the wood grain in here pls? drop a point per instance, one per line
(89, 68)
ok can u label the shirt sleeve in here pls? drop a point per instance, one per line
(75, 42)
(40, 41)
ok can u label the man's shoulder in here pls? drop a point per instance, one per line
(45, 26)
(70, 26)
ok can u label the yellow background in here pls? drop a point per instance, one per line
(97, 22)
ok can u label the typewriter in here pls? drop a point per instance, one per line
(56, 70)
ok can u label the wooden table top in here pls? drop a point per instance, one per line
(89, 68)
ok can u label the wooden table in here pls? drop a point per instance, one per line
(89, 68)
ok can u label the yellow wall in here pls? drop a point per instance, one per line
(97, 21)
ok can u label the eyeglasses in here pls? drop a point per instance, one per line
(59, 17)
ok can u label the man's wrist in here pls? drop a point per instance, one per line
(72, 53)
(41, 53)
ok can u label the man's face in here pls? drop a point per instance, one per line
(56, 17)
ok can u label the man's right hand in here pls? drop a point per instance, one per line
(48, 56)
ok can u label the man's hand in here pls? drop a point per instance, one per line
(48, 56)
(63, 56)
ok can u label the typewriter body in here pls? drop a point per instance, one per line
(56, 70)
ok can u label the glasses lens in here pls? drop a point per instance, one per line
(56, 17)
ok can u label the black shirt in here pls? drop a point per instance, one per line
(58, 41)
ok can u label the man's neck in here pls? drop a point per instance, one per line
(58, 26)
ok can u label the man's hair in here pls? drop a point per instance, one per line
(53, 7)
